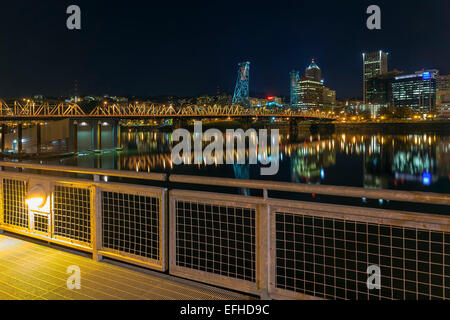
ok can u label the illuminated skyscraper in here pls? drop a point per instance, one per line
(294, 89)
(313, 71)
(417, 91)
(328, 97)
(374, 64)
(443, 82)
(379, 88)
(309, 92)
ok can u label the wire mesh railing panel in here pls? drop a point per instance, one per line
(329, 258)
(72, 213)
(131, 225)
(15, 211)
(215, 242)
(41, 223)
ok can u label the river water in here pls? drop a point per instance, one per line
(371, 160)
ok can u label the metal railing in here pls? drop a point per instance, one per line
(122, 221)
(324, 251)
(308, 250)
(216, 238)
(269, 247)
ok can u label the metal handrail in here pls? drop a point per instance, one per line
(96, 172)
(341, 191)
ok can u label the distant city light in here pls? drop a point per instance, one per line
(426, 178)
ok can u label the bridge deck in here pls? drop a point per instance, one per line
(33, 271)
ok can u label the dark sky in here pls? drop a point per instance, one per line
(190, 47)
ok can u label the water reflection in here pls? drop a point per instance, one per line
(411, 162)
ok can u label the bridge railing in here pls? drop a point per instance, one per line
(269, 247)
(29, 110)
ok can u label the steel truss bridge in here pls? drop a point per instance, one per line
(32, 111)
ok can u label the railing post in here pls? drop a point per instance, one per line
(1, 204)
(1, 212)
(265, 194)
(264, 250)
(96, 221)
(164, 229)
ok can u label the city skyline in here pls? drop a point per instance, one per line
(201, 58)
(244, 151)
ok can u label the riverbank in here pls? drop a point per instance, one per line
(394, 127)
(397, 127)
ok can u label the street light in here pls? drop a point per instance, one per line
(36, 197)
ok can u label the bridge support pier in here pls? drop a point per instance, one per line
(176, 124)
(245, 123)
(75, 137)
(293, 129)
(322, 128)
(19, 138)
(117, 135)
(38, 138)
(4, 130)
(180, 123)
(98, 161)
(99, 137)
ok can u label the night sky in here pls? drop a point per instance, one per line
(187, 48)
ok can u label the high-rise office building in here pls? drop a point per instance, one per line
(328, 97)
(379, 88)
(443, 103)
(374, 64)
(443, 83)
(417, 91)
(313, 71)
(309, 91)
(294, 89)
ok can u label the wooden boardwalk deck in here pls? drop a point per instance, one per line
(33, 271)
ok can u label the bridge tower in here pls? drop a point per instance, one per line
(241, 93)
(295, 91)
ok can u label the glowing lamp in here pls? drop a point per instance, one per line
(36, 197)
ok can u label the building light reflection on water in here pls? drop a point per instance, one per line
(387, 161)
